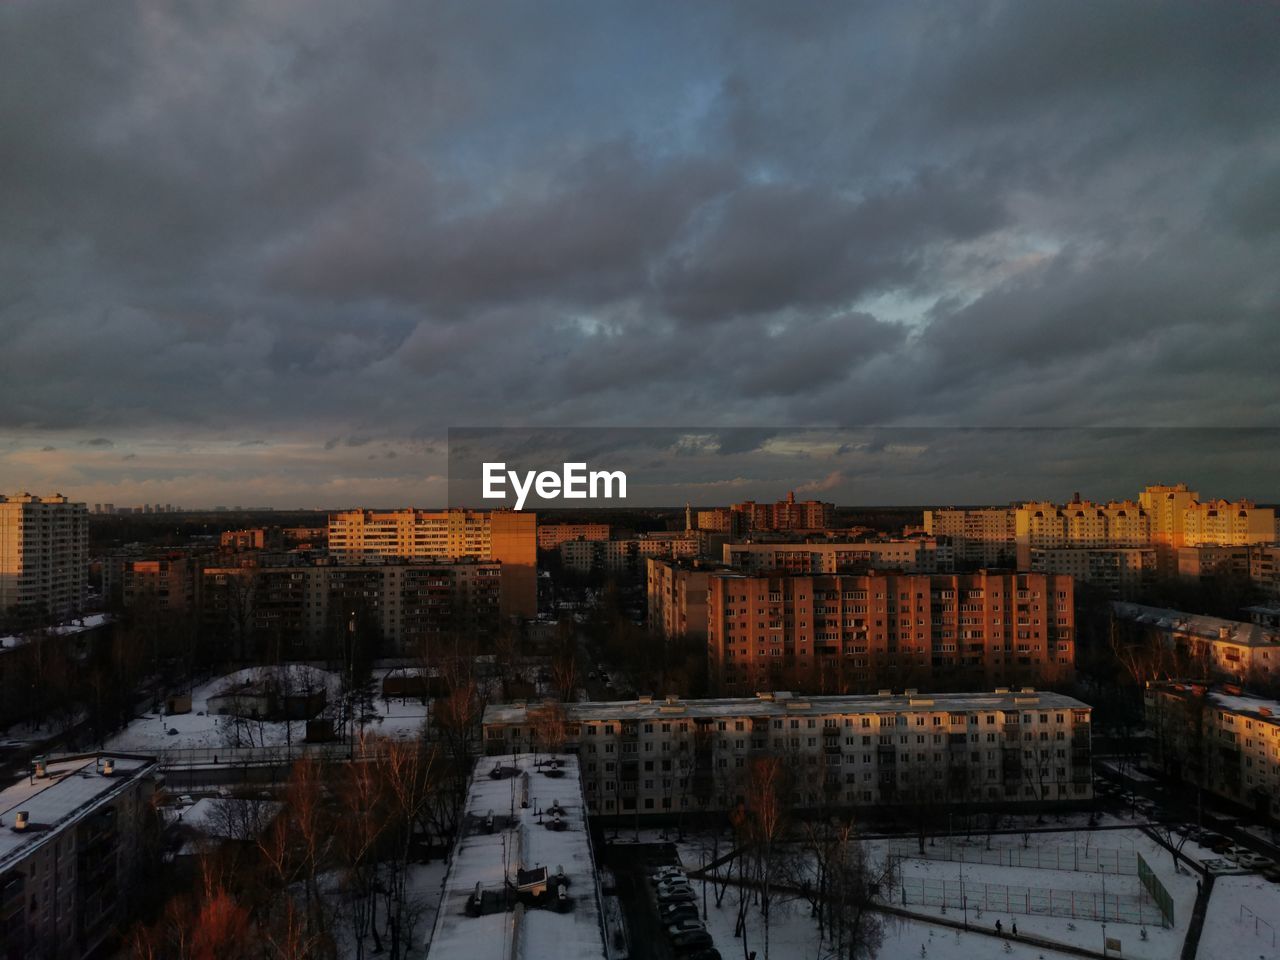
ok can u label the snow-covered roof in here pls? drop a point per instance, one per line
(78, 625)
(521, 840)
(1197, 625)
(1256, 708)
(783, 704)
(70, 789)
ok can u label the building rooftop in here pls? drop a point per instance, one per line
(781, 704)
(502, 845)
(71, 788)
(1262, 709)
(1208, 628)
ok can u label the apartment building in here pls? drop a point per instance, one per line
(668, 756)
(1230, 650)
(551, 535)
(1080, 524)
(67, 851)
(984, 536)
(166, 583)
(309, 608)
(677, 595)
(841, 633)
(786, 514)
(1119, 571)
(917, 555)
(1219, 739)
(507, 536)
(1259, 563)
(628, 557)
(44, 555)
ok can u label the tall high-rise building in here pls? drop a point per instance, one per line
(44, 555)
(508, 536)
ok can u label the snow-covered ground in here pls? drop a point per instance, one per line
(199, 730)
(793, 935)
(1243, 921)
(1160, 943)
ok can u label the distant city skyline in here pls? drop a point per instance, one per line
(850, 467)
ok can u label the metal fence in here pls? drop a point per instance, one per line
(1056, 857)
(1035, 901)
(1151, 883)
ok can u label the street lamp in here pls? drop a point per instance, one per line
(1104, 914)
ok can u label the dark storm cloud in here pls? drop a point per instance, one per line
(318, 224)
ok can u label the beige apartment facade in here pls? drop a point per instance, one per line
(44, 555)
(666, 756)
(1220, 739)
(507, 536)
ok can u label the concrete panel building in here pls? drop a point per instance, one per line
(1219, 739)
(67, 847)
(508, 536)
(915, 555)
(663, 756)
(307, 608)
(44, 555)
(842, 633)
(1229, 650)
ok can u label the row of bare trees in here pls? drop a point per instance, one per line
(325, 873)
(779, 856)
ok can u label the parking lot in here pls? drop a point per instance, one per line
(632, 864)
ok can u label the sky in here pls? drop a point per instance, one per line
(269, 251)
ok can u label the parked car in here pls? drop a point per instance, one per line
(666, 875)
(684, 926)
(1220, 845)
(1234, 852)
(692, 940)
(1272, 874)
(711, 953)
(1256, 861)
(673, 912)
(676, 895)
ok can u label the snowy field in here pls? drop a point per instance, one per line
(793, 935)
(799, 936)
(398, 717)
(1243, 922)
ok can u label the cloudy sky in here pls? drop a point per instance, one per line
(268, 252)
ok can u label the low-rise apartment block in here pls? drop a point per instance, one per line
(842, 633)
(1218, 739)
(670, 755)
(67, 848)
(1209, 646)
